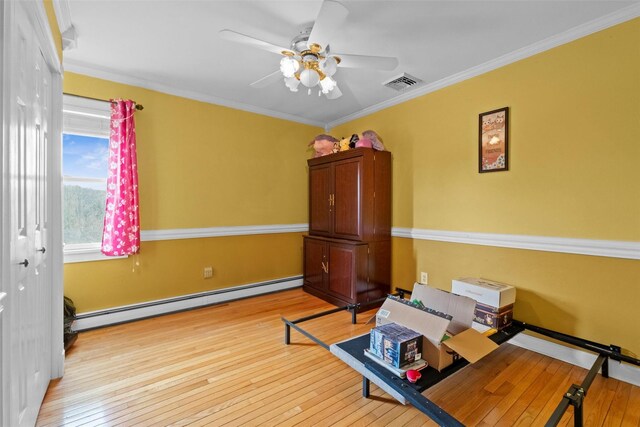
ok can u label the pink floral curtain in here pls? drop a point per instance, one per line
(121, 235)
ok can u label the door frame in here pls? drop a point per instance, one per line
(36, 11)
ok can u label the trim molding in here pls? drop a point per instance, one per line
(65, 25)
(127, 313)
(111, 75)
(606, 248)
(196, 233)
(63, 14)
(570, 35)
(620, 371)
(45, 35)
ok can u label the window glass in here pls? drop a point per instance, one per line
(84, 166)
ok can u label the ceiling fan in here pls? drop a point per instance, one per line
(309, 60)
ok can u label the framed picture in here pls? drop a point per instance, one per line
(493, 141)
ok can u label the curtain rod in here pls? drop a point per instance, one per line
(138, 106)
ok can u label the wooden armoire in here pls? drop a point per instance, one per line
(347, 254)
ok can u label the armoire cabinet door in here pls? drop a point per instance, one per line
(320, 209)
(336, 270)
(347, 207)
(315, 260)
(342, 270)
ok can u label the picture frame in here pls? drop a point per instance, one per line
(493, 140)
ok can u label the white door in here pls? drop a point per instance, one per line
(28, 300)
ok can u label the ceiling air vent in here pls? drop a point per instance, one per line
(402, 82)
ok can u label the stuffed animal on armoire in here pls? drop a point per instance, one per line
(344, 144)
(323, 145)
(376, 141)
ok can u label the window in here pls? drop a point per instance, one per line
(85, 154)
(84, 169)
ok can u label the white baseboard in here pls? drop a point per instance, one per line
(100, 318)
(618, 370)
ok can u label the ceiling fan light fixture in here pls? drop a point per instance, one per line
(309, 78)
(329, 66)
(289, 66)
(292, 83)
(327, 84)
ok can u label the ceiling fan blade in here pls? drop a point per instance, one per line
(331, 17)
(252, 41)
(335, 93)
(386, 63)
(268, 80)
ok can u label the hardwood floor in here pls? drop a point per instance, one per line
(227, 365)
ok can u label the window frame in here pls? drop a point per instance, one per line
(86, 117)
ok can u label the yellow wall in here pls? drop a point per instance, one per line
(174, 267)
(574, 151)
(201, 165)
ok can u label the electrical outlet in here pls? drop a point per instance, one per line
(208, 272)
(424, 278)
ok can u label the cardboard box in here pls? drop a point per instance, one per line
(445, 324)
(496, 318)
(484, 291)
(395, 344)
(494, 300)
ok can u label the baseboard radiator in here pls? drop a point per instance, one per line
(128, 313)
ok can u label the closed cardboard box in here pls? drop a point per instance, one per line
(494, 300)
(487, 292)
(496, 318)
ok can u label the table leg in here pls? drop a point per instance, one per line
(365, 386)
(287, 334)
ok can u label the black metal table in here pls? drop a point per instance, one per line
(351, 351)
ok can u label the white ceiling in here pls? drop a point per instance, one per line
(174, 46)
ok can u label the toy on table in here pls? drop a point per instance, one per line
(413, 375)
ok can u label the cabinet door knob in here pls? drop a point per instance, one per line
(25, 263)
(42, 249)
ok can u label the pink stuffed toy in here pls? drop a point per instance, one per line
(374, 138)
(364, 142)
(323, 145)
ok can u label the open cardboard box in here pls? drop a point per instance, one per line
(445, 313)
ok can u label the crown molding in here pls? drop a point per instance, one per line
(107, 74)
(605, 248)
(63, 14)
(583, 30)
(44, 34)
(65, 25)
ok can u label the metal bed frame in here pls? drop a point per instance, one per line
(411, 393)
